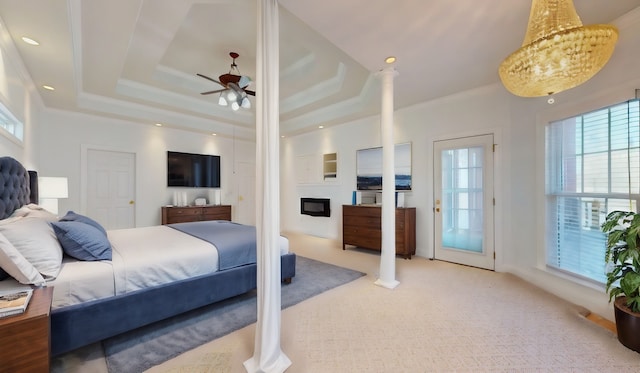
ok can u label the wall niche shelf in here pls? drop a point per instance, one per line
(330, 166)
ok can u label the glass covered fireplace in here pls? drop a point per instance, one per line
(315, 206)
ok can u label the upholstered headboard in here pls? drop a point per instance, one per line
(33, 186)
(15, 190)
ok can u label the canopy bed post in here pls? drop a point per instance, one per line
(267, 355)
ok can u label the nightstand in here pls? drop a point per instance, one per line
(25, 338)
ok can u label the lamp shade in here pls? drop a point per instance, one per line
(53, 187)
(558, 52)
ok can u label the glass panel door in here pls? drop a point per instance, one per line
(463, 200)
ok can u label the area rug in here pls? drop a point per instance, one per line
(154, 344)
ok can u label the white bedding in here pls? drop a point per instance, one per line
(142, 257)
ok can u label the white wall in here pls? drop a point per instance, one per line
(17, 94)
(518, 124)
(67, 136)
(485, 111)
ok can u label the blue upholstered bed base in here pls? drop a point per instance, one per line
(80, 325)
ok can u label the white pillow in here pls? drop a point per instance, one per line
(34, 211)
(35, 240)
(16, 265)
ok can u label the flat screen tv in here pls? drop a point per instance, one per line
(193, 170)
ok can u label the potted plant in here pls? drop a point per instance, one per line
(622, 258)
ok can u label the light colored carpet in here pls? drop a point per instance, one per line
(145, 347)
(441, 318)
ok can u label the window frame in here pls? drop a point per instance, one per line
(15, 130)
(553, 189)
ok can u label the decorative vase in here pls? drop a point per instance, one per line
(627, 324)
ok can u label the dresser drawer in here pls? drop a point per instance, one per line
(171, 215)
(216, 217)
(367, 242)
(372, 211)
(362, 231)
(182, 219)
(216, 213)
(362, 221)
(178, 212)
(399, 238)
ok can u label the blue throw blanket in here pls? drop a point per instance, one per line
(236, 243)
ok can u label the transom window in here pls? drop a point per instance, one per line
(11, 126)
(592, 168)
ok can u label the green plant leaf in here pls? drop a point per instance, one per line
(622, 256)
(634, 303)
(630, 284)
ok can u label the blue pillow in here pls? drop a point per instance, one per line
(82, 241)
(72, 216)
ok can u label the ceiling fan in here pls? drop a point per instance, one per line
(235, 87)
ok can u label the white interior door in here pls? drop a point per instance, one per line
(246, 207)
(111, 188)
(463, 201)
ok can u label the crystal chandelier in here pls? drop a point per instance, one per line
(558, 52)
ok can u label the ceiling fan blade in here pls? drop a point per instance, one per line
(216, 91)
(251, 93)
(213, 80)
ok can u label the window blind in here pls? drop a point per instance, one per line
(592, 166)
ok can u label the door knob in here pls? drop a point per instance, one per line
(131, 202)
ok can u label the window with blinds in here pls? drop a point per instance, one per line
(592, 168)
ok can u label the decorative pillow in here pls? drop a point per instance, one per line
(34, 211)
(82, 241)
(35, 240)
(72, 216)
(16, 265)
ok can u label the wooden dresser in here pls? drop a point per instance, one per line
(171, 215)
(24, 338)
(361, 227)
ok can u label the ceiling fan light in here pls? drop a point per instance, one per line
(246, 103)
(244, 81)
(231, 96)
(235, 106)
(222, 101)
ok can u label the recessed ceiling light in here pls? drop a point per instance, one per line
(29, 41)
(48, 88)
(214, 134)
(390, 59)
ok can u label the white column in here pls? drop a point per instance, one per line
(388, 254)
(267, 355)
